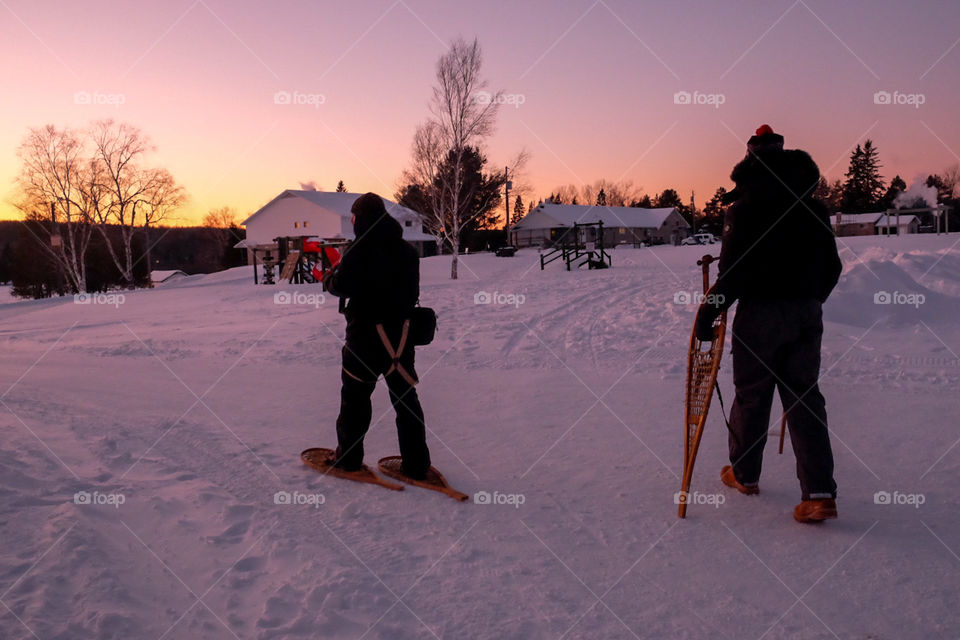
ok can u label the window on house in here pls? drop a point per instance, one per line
(408, 223)
(296, 225)
(306, 223)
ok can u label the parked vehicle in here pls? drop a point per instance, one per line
(699, 238)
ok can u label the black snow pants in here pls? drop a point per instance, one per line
(776, 344)
(365, 359)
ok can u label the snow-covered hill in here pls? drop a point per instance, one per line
(144, 440)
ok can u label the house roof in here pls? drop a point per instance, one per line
(158, 276)
(340, 202)
(548, 216)
(876, 218)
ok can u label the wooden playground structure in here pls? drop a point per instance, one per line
(301, 259)
(572, 247)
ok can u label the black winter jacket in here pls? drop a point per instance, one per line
(379, 273)
(777, 239)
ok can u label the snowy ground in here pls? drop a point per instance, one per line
(190, 404)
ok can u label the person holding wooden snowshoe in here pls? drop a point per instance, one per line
(779, 259)
(380, 276)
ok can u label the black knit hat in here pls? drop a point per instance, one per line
(765, 138)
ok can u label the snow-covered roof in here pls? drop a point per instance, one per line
(159, 276)
(547, 216)
(876, 218)
(339, 203)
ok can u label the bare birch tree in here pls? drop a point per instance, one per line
(463, 114)
(133, 195)
(58, 184)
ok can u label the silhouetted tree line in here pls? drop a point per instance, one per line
(35, 273)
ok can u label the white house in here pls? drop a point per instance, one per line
(325, 215)
(549, 223)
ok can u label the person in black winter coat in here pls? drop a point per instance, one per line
(380, 276)
(779, 259)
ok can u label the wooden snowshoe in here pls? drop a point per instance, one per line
(392, 467)
(317, 459)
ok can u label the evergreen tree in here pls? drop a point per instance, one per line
(574, 201)
(643, 202)
(518, 210)
(669, 198)
(602, 198)
(480, 193)
(897, 186)
(713, 211)
(863, 190)
(340, 187)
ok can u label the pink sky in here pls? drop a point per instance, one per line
(597, 81)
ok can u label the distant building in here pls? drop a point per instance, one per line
(871, 224)
(325, 215)
(548, 223)
(163, 277)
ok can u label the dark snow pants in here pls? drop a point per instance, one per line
(365, 359)
(776, 344)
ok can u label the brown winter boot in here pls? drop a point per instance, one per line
(815, 510)
(727, 478)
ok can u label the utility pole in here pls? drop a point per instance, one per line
(506, 198)
(693, 214)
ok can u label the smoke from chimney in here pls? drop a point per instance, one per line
(917, 196)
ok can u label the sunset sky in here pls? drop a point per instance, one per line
(596, 80)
